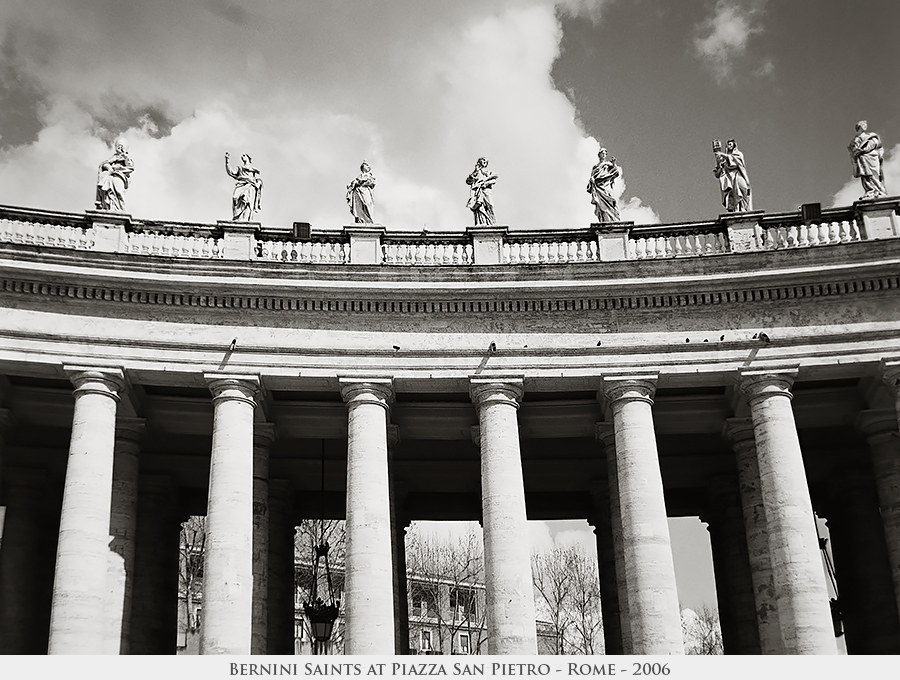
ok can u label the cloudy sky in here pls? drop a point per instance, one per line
(421, 89)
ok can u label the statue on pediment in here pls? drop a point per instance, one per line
(481, 200)
(246, 200)
(113, 179)
(360, 196)
(731, 172)
(867, 156)
(600, 187)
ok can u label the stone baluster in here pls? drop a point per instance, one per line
(507, 550)
(653, 609)
(228, 566)
(78, 624)
(368, 575)
(803, 610)
(739, 432)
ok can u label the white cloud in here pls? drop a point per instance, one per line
(723, 38)
(852, 191)
(308, 92)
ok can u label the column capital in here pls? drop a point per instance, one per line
(368, 390)
(638, 387)
(233, 387)
(105, 380)
(393, 435)
(877, 424)
(739, 432)
(505, 390)
(605, 432)
(762, 383)
(264, 435)
(6, 420)
(890, 373)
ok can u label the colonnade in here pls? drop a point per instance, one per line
(763, 528)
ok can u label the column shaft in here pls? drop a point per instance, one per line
(228, 567)
(263, 436)
(280, 582)
(507, 549)
(740, 433)
(369, 580)
(78, 624)
(649, 570)
(797, 570)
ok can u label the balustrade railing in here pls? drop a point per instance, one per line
(308, 252)
(427, 251)
(374, 245)
(173, 245)
(46, 234)
(647, 243)
(800, 235)
(521, 249)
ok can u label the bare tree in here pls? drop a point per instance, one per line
(192, 545)
(445, 585)
(309, 534)
(567, 583)
(701, 630)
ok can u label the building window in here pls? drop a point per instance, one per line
(464, 643)
(426, 641)
(462, 604)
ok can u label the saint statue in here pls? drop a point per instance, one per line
(599, 186)
(113, 179)
(866, 154)
(359, 195)
(732, 175)
(481, 201)
(247, 197)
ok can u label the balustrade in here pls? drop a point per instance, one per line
(549, 252)
(308, 252)
(789, 235)
(46, 234)
(655, 244)
(427, 253)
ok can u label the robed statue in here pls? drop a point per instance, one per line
(246, 200)
(731, 172)
(113, 179)
(359, 195)
(867, 155)
(600, 187)
(481, 200)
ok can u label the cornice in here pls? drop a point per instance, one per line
(735, 279)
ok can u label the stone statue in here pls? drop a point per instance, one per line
(732, 175)
(599, 186)
(481, 201)
(359, 195)
(866, 154)
(113, 178)
(247, 197)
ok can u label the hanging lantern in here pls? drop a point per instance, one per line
(320, 612)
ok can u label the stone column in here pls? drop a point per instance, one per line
(739, 432)
(263, 436)
(399, 522)
(606, 433)
(6, 419)
(731, 564)
(880, 428)
(797, 570)
(154, 594)
(368, 575)
(868, 608)
(649, 569)
(228, 567)
(122, 528)
(78, 623)
(280, 582)
(20, 557)
(507, 548)
(606, 563)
